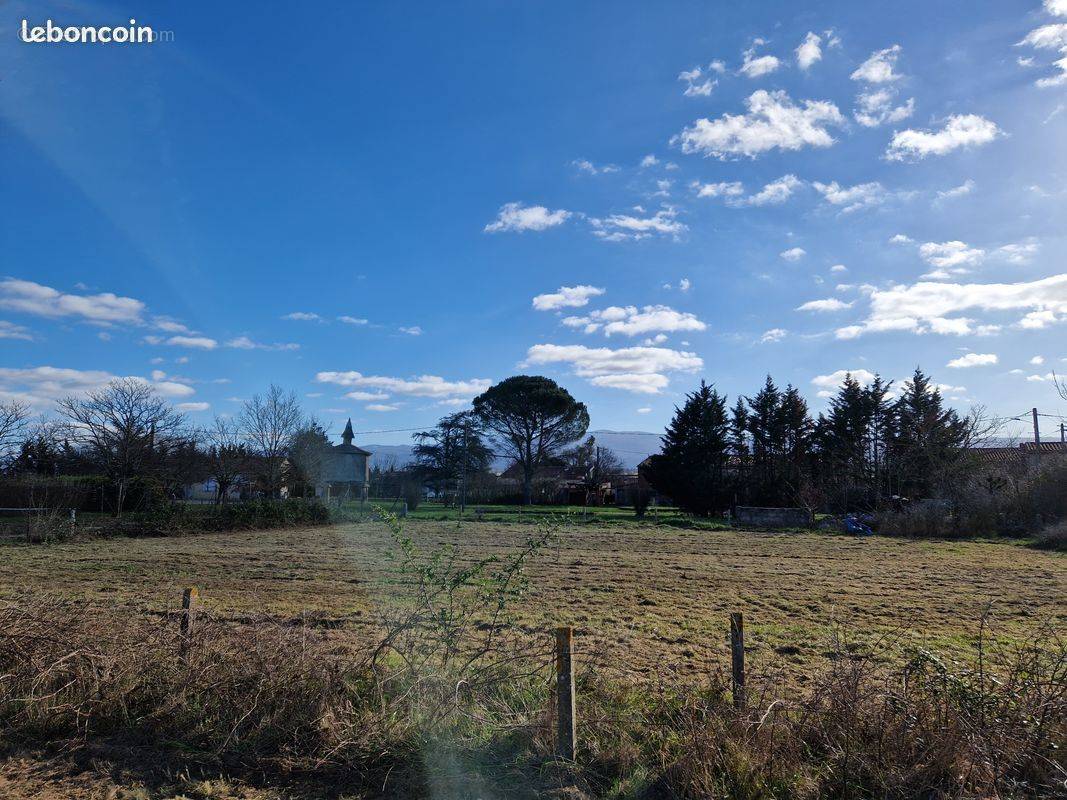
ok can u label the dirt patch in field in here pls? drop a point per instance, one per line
(649, 602)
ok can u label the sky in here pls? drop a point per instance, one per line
(388, 207)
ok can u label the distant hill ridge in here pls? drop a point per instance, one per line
(632, 447)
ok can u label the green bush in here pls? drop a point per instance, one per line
(173, 519)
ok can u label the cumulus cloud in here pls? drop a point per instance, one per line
(852, 198)
(730, 189)
(420, 386)
(519, 218)
(879, 66)
(793, 253)
(106, 308)
(1018, 253)
(347, 320)
(829, 304)
(649, 161)
(40, 387)
(949, 255)
(773, 121)
(625, 227)
(634, 369)
(960, 130)
(303, 316)
(809, 51)
(566, 297)
(196, 342)
(755, 66)
(929, 307)
(775, 192)
(1057, 8)
(383, 407)
(876, 107)
(969, 360)
(631, 321)
(828, 384)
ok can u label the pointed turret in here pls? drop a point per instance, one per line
(348, 436)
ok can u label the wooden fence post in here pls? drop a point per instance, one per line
(566, 717)
(189, 598)
(737, 652)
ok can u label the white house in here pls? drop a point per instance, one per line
(345, 473)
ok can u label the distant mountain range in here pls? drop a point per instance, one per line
(632, 447)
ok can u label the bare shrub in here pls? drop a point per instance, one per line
(1053, 537)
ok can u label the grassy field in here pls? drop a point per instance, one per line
(652, 601)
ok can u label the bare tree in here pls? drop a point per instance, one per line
(227, 456)
(270, 422)
(123, 428)
(13, 418)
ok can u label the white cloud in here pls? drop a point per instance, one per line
(347, 320)
(957, 191)
(633, 369)
(9, 330)
(775, 192)
(793, 253)
(772, 121)
(731, 189)
(644, 410)
(28, 297)
(625, 227)
(960, 130)
(245, 343)
(838, 268)
(900, 238)
(1048, 37)
(419, 386)
(364, 396)
(1057, 8)
(878, 68)
(829, 304)
(773, 335)
(584, 165)
(876, 108)
(197, 342)
(757, 66)
(852, 198)
(193, 406)
(1037, 361)
(684, 285)
(566, 297)
(40, 387)
(927, 307)
(410, 330)
(520, 218)
(1018, 253)
(945, 255)
(973, 360)
(382, 407)
(694, 86)
(832, 382)
(303, 316)
(649, 161)
(809, 51)
(630, 321)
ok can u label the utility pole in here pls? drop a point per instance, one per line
(1037, 431)
(1063, 434)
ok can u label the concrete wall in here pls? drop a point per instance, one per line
(774, 517)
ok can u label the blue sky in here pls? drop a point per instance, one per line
(387, 206)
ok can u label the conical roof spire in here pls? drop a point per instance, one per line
(348, 435)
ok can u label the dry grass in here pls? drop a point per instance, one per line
(653, 601)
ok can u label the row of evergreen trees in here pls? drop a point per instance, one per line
(869, 446)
